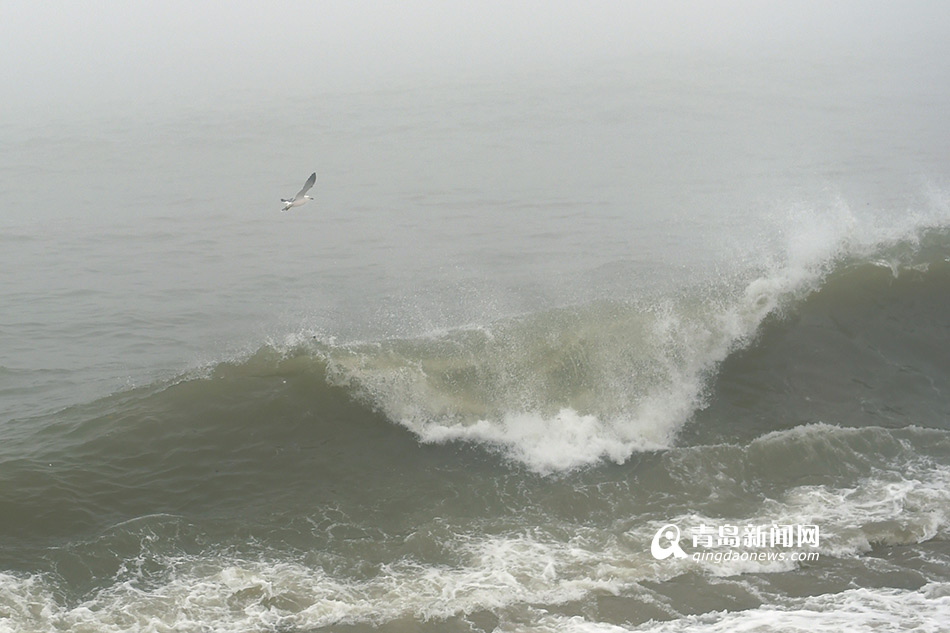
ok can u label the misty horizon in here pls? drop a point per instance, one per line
(71, 57)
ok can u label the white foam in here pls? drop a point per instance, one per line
(906, 501)
(225, 593)
(230, 595)
(244, 596)
(857, 611)
(563, 442)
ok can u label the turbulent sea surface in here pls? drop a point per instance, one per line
(527, 323)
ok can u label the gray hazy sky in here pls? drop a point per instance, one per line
(59, 53)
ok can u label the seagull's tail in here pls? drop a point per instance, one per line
(285, 200)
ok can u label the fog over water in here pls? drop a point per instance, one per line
(63, 56)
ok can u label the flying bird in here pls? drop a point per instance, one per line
(301, 197)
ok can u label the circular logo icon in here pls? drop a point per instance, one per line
(671, 534)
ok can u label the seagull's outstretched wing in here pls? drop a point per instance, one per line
(306, 186)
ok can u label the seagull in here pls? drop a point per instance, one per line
(301, 197)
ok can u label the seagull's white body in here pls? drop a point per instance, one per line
(301, 197)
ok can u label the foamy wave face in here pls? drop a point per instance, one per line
(564, 389)
(567, 388)
(553, 391)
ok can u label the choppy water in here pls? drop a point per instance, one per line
(527, 323)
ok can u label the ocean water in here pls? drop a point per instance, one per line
(531, 321)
